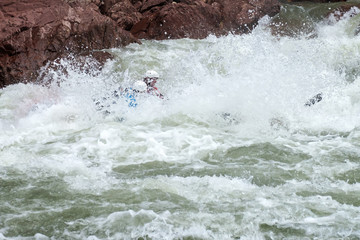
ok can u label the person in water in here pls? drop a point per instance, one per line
(147, 85)
(130, 94)
(150, 80)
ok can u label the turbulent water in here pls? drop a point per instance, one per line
(230, 153)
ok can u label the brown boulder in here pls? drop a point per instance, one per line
(163, 19)
(148, 4)
(32, 32)
(178, 20)
(124, 14)
(242, 16)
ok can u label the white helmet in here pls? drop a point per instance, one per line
(151, 74)
(140, 86)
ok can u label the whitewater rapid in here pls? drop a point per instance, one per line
(230, 153)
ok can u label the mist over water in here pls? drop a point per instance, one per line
(230, 153)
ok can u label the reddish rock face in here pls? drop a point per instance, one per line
(33, 32)
(242, 16)
(178, 20)
(199, 18)
(124, 14)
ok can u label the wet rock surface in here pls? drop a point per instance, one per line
(178, 20)
(34, 32)
(197, 19)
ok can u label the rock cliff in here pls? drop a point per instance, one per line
(34, 32)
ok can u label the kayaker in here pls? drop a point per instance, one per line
(150, 80)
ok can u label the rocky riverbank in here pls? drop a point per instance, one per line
(35, 32)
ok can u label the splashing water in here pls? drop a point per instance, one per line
(230, 153)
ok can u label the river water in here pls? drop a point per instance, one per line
(230, 153)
